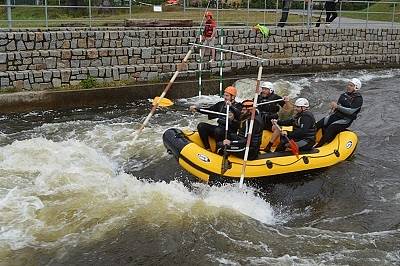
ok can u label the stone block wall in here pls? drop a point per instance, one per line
(35, 60)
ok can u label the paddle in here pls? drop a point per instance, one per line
(273, 101)
(225, 163)
(294, 148)
(160, 99)
(253, 115)
(162, 102)
(165, 102)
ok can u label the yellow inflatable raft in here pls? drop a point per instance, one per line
(188, 149)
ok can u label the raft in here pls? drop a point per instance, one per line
(187, 148)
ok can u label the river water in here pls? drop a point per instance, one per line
(74, 190)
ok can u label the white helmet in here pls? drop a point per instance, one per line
(356, 82)
(268, 85)
(303, 102)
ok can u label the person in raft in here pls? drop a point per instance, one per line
(303, 133)
(218, 131)
(343, 113)
(269, 111)
(236, 145)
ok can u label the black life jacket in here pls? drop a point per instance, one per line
(353, 100)
(271, 108)
(258, 127)
(310, 133)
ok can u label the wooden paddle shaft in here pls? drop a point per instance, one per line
(153, 109)
(274, 101)
(253, 115)
(213, 112)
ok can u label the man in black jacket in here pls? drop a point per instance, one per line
(237, 143)
(218, 131)
(345, 111)
(303, 132)
(269, 111)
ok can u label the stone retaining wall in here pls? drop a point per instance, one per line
(34, 60)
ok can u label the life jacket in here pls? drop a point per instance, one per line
(271, 108)
(310, 133)
(258, 127)
(353, 100)
(209, 28)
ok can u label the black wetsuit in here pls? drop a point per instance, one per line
(238, 141)
(303, 131)
(330, 9)
(218, 131)
(349, 105)
(269, 111)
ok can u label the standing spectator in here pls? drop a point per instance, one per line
(330, 9)
(285, 12)
(209, 33)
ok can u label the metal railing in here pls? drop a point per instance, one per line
(301, 15)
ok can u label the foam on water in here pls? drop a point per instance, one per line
(363, 75)
(72, 191)
(246, 89)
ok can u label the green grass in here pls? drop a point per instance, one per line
(380, 12)
(34, 17)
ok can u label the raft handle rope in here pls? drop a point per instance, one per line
(305, 158)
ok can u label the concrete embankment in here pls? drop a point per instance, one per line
(35, 60)
(39, 60)
(67, 99)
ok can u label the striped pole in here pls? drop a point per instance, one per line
(250, 133)
(221, 64)
(200, 64)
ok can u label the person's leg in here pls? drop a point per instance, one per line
(330, 133)
(203, 49)
(219, 133)
(274, 137)
(212, 55)
(334, 13)
(282, 145)
(331, 13)
(285, 13)
(205, 130)
(305, 145)
(211, 42)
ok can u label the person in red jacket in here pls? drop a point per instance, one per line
(209, 34)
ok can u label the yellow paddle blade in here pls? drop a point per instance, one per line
(164, 102)
(287, 128)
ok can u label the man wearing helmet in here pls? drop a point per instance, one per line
(218, 131)
(345, 111)
(236, 144)
(303, 133)
(269, 111)
(209, 33)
